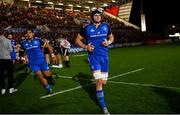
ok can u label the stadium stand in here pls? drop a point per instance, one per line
(50, 23)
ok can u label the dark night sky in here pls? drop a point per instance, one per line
(159, 13)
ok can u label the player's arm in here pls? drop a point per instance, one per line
(68, 43)
(9, 47)
(110, 38)
(47, 45)
(19, 47)
(109, 41)
(51, 51)
(79, 42)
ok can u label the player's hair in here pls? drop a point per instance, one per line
(95, 12)
(30, 30)
(10, 33)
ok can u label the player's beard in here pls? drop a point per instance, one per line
(96, 22)
(30, 37)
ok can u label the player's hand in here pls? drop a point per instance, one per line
(54, 59)
(90, 47)
(105, 42)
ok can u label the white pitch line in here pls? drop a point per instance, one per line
(66, 77)
(67, 90)
(145, 85)
(78, 87)
(80, 55)
(140, 69)
(123, 74)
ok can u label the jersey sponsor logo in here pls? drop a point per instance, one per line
(98, 35)
(31, 47)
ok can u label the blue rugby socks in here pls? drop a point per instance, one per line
(100, 96)
(48, 88)
(50, 80)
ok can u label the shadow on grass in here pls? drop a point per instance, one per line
(85, 79)
(20, 79)
(20, 67)
(85, 61)
(172, 98)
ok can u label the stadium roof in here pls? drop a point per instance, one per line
(76, 4)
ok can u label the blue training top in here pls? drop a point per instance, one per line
(13, 42)
(33, 49)
(96, 36)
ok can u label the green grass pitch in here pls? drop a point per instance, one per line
(142, 79)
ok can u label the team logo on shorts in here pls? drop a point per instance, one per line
(92, 67)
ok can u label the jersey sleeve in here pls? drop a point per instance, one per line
(83, 31)
(109, 30)
(22, 45)
(42, 42)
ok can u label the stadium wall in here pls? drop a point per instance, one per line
(78, 49)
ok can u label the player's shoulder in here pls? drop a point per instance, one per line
(23, 41)
(86, 25)
(37, 38)
(104, 23)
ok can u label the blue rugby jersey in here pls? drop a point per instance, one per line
(13, 42)
(33, 49)
(96, 36)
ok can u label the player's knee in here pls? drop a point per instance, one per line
(104, 82)
(104, 77)
(99, 82)
(38, 73)
(97, 75)
(47, 73)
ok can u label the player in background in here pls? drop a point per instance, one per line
(57, 52)
(46, 52)
(6, 65)
(14, 46)
(36, 59)
(98, 37)
(22, 55)
(65, 46)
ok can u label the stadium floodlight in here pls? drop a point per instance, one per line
(77, 10)
(85, 11)
(58, 9)
(70, 5)
(60, 4)
(87, 7)
(173, 26)
(68, 9)
(90, 2)
(143, 23)
(78, 6)
(105, 5)
(38, 1)
(50, 3)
